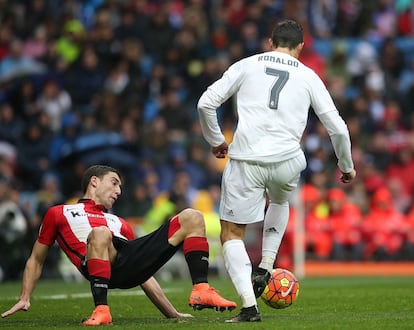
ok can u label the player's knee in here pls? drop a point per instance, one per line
(192, 218)
(100, 236)
(231, 231)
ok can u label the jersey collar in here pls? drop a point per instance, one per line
(92, 203)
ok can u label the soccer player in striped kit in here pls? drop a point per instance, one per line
(103, 248)
(274, 92)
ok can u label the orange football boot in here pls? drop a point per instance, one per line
(205, 296)
(100, 315)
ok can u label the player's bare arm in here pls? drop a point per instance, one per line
(154, 292)
(31, 274)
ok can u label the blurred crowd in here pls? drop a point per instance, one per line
(117, 82)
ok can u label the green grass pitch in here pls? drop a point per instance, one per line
(323, 303)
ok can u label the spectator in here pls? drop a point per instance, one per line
(401, 168)
(117, 79)
(136, 205)
(11, 126)
(317, 225)
(54, 101)
(134, 20)
(8, 160)
(33, 152)
(405, 22)
(13, 231)
(17, 63)
(23, 99)
(345, 219)
(102, 37)
(392, 61)
(177, 120)
(6, 36)
(322, 18)
(310, 57)
(336, 64)
(85, 78)
(159, 35)
(36, 46)
(384, 20)
(69, 45)
(402, 200)
(49, 193)
(61, 142)
(363, 57)
(250, 38)
(178, 161)
(36, 14)
(383, 228)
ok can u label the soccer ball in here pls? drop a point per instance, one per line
(281, 290)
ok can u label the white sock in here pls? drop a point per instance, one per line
(275, 222)
(239, 267)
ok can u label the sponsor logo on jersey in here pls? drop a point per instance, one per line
(86, 214)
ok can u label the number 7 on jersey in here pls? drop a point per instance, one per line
(282, 78)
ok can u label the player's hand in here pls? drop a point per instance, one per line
(221, 150)
(22, 305)
(184, 315)
(348, 177)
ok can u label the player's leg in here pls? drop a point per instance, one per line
(100, 252)
(274, 227)
(188, 228)
(285, 177)
(242, 202)
(239, 267)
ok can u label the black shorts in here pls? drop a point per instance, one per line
(139, 259)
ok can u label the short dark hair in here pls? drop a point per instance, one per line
(96, 170)
(287, 34)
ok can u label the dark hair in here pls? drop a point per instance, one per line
(287, 34)
(96, 170)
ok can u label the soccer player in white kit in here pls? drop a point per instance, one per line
(274, 92)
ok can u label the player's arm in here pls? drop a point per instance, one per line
(325, 109)
(31, 274)
(215, 95)
(157, 296)
(341, 142)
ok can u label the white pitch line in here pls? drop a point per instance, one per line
(82, 295)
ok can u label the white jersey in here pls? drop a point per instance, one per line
(274, 92)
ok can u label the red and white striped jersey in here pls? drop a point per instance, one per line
(70, 226)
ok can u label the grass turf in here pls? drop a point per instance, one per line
(323, 303)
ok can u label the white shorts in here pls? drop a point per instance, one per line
(245, 184)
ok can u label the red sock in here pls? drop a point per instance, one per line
(99, 268)
(99, 274)
(195, 243)
(196, 252)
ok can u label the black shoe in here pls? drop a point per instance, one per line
(248, 314)
(260, 278)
